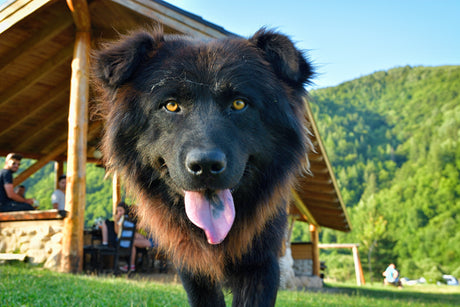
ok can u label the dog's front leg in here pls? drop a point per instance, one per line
(256, 285)
(201, 291)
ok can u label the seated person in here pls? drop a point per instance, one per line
(9, 199)
(58, 196)
(20, 190)
(108, 228)
(110, 232)
(140, 241)
(391, 276)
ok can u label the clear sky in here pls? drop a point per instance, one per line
(348, 39)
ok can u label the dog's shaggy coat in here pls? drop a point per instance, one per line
(209, 136)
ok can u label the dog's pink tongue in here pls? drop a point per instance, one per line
(214, 212)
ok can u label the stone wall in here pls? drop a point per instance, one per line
(297, 274)
(40, 240)
(303, 267)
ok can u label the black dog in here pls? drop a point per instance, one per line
(210, 137)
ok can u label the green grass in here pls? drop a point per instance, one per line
(24, 285)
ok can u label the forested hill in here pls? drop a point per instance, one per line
(393, 141)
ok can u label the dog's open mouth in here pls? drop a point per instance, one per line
(212, 211)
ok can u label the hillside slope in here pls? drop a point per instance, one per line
(393, 140)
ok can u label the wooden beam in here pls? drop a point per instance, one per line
(36, 75)
(4, 153)
(94, 130)
(337, 245)
(62, 157)
(80, 14)
(30, 215)
(116, 193)
(302, 208)
(46, 101)
(40, 163)
(54, 27)
(318, 168)
(358, 269)
(50, 120)
(357, 262)
(326, 211)
(72, 242)
(317, 157)
(316, 203)
(319, 189)
(312, 197)
(319, 176)
(172, 18)
(17, 11)
(58, 138)
(315, 180)
(330, 221)
(336, 226)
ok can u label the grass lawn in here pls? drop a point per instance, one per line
(25, 285)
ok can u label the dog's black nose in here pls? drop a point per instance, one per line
(205, 162)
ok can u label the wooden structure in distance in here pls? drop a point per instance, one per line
(356, 260)
(43, 66)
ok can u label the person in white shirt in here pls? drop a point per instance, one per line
(58, 197)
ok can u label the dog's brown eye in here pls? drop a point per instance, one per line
(238, 104)
(172, 106)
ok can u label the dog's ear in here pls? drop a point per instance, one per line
(288, 62)
(115, 63)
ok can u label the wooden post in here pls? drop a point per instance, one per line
(358, 268)
(59, 171)
(72, 242)
(116, 193)
(315, 250)
(354, 247)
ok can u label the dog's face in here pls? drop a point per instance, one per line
(204, 118)
(208, 120)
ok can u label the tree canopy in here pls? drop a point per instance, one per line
(393, 141)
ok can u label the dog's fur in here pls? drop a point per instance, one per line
(210, 148)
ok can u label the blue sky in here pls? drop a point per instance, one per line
(348, 39)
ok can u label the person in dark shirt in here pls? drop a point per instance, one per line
(9, 200)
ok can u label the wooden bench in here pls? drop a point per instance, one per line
(31, 215)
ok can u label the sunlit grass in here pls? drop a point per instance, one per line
(25, 285)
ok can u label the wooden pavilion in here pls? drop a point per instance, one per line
(46, 101)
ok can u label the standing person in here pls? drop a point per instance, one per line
(10, 200)
(58, 196)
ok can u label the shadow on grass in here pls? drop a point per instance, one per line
(392, 293)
